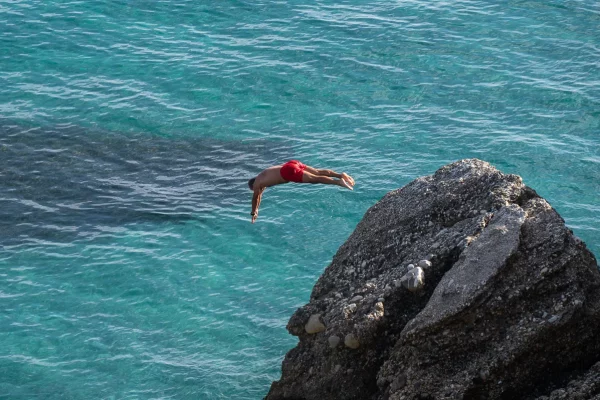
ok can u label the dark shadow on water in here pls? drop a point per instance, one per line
(62, 182)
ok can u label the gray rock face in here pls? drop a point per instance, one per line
(333, 341)
(586, 386)
(510, 307)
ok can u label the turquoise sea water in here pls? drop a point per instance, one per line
(128, 265)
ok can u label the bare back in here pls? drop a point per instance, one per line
(269, 177)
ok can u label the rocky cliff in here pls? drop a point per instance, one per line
(461, 285)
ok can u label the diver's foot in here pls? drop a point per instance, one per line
(348, 178)
(345, 184)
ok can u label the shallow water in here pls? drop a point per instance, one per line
(128, 266)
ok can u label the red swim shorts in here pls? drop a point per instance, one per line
(292, 171)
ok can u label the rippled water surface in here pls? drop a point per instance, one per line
(128, 129)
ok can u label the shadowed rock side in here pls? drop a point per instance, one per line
(463, 284)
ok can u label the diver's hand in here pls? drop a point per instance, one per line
(254, 217)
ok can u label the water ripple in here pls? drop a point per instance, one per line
(128, 266)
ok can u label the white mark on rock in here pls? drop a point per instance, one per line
(414, 279)
(351, 341)
(314, 324)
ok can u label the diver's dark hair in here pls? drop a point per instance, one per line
(251, 183)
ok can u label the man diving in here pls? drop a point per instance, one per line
(293, 171)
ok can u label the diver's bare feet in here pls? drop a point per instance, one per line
(348, 178)
(345, 184)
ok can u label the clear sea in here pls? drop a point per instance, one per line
(129, 268)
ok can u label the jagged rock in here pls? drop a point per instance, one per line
(314, 324)
(511, 308)
(398, 383)
(585, 386)
(349, 309)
